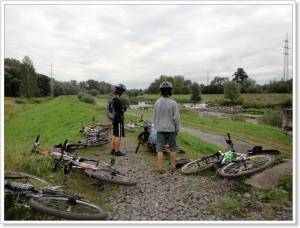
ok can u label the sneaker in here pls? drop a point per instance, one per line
(119, 153)
(112, 152)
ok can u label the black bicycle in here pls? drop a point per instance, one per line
(233, 164)
(39, 195)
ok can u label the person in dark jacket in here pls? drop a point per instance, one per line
(166, 120)
(118, 120)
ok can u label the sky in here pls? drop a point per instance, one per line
(134, 44)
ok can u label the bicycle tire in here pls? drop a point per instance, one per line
(21, 177)
(198, 165)
(254, 164)
(62, 206)
(107, 176)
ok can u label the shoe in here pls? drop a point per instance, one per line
(119, 153)
(112, 152)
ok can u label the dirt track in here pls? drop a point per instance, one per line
(175, 196)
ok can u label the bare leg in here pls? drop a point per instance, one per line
(113, 142)
(173, 161)
(117, 143)
(160, 156)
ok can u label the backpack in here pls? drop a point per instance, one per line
(110, 109)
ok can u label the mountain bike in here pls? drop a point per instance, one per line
(99, 170)
(31, 191)
(95, 168)
(233, 164)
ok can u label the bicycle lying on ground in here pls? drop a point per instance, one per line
(39, 195)
(233, 164)
(94, 168)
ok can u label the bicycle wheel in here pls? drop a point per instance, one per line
(25, 178)
(199, 165)
(252, 164)
(67, 208)
(107, 175)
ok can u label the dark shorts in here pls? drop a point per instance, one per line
(166, 138)
(118, 129)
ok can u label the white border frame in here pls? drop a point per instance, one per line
(237, 2)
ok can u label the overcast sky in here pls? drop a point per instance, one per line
(134, 44)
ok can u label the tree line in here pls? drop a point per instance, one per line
(216, 86)
(21, 79)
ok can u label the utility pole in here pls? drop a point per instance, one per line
(207, 77)
(286, 59)
(51, 83)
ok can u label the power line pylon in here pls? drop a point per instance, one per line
(286, 59)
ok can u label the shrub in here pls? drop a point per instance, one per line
(273, 118)
(86, 98)
(93, 92)
(287, 103)
(231, 91)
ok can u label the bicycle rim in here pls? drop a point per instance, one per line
(68, 209)
(198, 165)
(109, 177)
(253, 164)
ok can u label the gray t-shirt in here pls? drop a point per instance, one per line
(166, 115)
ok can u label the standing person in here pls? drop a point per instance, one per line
(166, 121)
(116, 114)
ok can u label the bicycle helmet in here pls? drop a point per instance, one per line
(165, 85)
(121, 87)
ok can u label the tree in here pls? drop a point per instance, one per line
(43, 83)
(240, 76)
(232, 91)
(29, 86)
(12, 77)
(195, 92)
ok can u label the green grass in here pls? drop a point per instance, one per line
(55, 120)
(254, 134)
(261, 99)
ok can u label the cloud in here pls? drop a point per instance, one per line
(137, 43)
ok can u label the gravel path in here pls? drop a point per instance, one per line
(217, 139)
(164, 196)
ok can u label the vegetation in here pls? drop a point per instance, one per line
(269, 137)
(180, 85)
(273, 118)
(231, 91)
(84, 97)
(195, 92)
(23, 122)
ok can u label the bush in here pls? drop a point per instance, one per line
(231, 91)
(287, 103)
(86, 98)
(93, 92)
(273, 118)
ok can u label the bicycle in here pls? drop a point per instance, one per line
(39, 195)
(99, 170)
(233, 164)
(105, 173)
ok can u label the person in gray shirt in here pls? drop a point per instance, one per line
(166, 120)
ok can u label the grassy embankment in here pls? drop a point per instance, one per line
(55, 120)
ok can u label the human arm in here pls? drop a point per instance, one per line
(176, 118)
